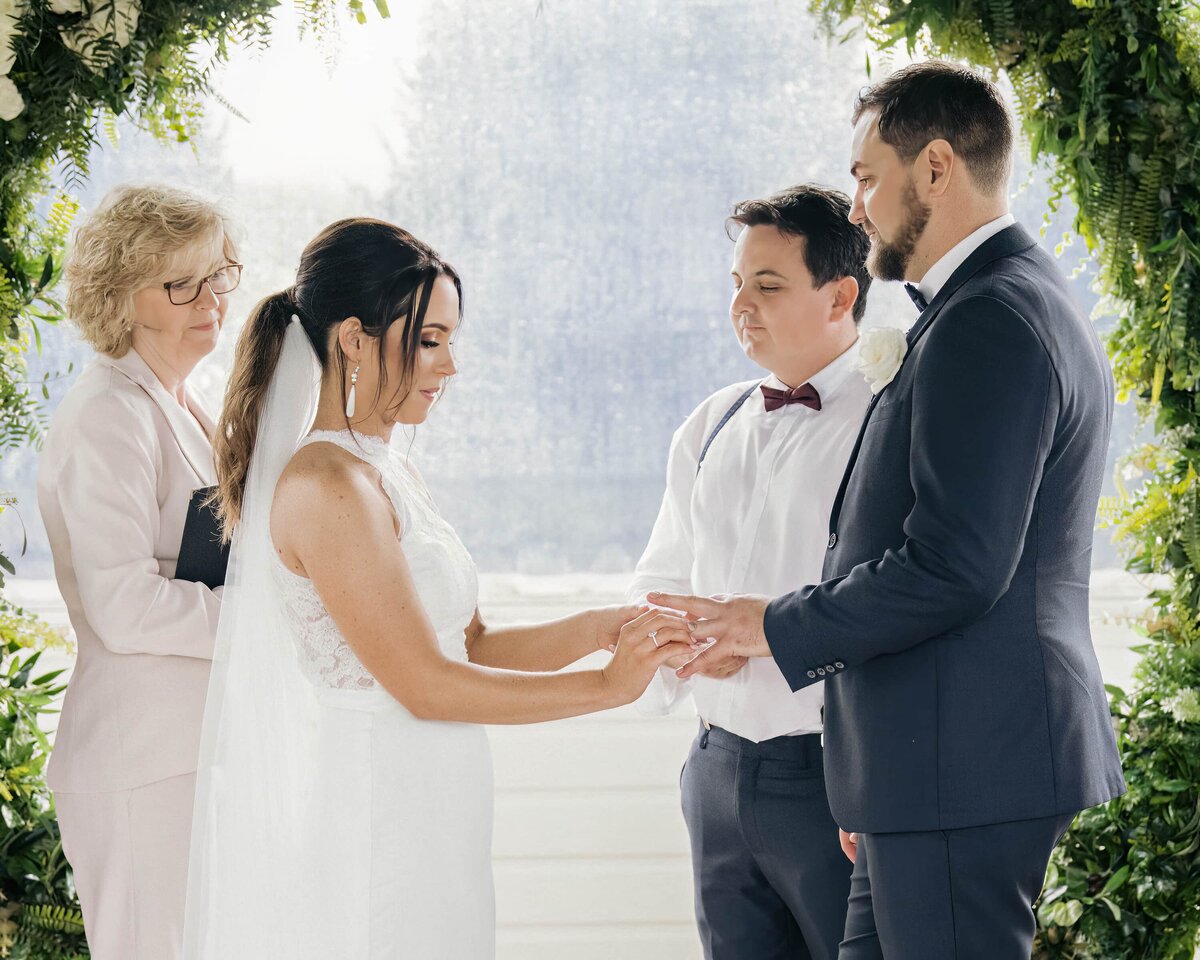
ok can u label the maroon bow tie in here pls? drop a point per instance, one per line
(805, 393)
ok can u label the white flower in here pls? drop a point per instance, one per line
(11, 101)
(10, 12)
(116, 20)
(66, 6)
(881, 351)
(1184, 706)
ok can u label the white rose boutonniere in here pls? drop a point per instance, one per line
(11, 102)
(881, 352)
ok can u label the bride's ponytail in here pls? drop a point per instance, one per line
(257, 353)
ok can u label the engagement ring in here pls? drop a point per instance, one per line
(653, 635)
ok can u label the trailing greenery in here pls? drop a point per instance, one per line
(38, 916)
(69, 69)
(1108, 94)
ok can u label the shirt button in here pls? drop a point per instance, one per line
(838, 664)
(812, 674)
(832, 540)
(820, 671)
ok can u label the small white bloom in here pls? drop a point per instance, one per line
(10, 12)
(881, 352)
(1130, 471)
(11, 101)
(1184, 706)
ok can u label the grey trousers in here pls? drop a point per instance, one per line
(771, 880)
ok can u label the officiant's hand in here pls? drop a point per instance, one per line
(645, 643)
(735, 621)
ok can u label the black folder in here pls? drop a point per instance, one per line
(202, 556)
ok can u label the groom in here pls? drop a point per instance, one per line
(966, 721)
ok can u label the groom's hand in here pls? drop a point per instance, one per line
(735, 622)
(849, 843)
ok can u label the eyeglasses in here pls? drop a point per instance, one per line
(225, 280)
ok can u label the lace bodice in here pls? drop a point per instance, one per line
(442, 570)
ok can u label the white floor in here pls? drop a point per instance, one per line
(590, 849)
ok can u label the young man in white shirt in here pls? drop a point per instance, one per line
(751, 478)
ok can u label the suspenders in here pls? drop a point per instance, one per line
(737, 405)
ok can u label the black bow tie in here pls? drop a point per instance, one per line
(916, 296)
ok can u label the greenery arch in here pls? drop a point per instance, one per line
(68, 70)
(1108, 93)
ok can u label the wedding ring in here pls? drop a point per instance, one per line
(653, 635)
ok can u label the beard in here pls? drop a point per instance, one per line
(889, 261)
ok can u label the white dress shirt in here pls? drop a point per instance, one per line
(754, 520)
(936, 276)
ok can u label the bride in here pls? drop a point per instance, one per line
(344, 798)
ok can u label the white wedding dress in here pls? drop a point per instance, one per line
(429, 803)
(330, 823)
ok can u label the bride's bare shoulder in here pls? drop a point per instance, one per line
(324, 486)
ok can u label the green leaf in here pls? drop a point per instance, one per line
(47, 272)
(1115, 882)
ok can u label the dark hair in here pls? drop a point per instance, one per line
(833, 246)
(940, 100)
(359, 267)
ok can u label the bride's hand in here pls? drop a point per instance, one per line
(608, 622)
(643, 645)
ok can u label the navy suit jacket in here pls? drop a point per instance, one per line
(952, 628)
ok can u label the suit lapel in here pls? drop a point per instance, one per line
(188, 433)
(1008, 242)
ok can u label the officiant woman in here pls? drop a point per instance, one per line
(148, 279)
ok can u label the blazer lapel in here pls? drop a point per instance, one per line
(1008, 242)
(188, 433)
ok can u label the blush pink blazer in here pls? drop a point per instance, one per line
(114, 480)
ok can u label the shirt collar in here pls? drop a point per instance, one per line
(828, 379)
(936, 276)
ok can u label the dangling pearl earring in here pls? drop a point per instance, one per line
(350, 398)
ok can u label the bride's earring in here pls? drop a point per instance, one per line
(350, 398)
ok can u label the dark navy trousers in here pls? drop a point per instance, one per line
(771, 880)
(963, 894)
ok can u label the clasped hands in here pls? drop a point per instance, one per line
(733, 625)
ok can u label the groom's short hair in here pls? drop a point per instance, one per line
(833, 246)
(941, 100)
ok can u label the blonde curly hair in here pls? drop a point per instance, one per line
(137, 237)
